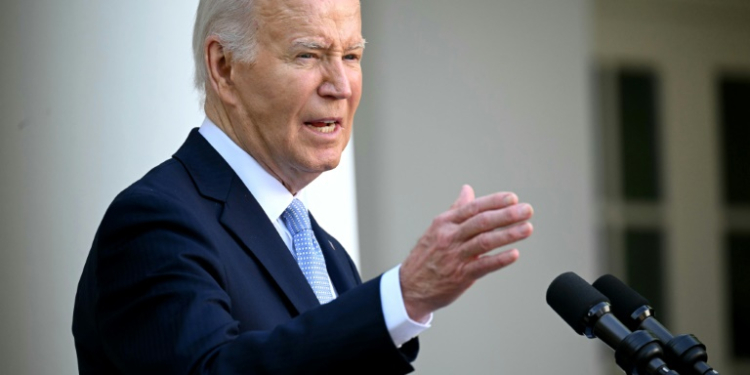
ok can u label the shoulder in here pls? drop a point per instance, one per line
(169, 180)
(166, 197)
(159, 222)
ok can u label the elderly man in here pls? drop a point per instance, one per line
(211, 264)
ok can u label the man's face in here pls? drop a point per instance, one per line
(298, 97)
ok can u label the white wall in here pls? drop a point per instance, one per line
(96, 94)
(495, 94)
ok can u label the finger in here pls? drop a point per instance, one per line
(490, 263)
(481, 204)
(492, 240)
(465, 196)
(494, 219)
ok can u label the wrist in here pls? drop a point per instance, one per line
(416, 309)
(419, 315)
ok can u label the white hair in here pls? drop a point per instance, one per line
(231, 21)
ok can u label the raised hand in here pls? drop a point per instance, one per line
(452, 254)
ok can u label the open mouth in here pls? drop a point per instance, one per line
(323, 126)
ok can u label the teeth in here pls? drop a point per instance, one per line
(325, 129)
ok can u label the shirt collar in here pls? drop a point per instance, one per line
(272, 196)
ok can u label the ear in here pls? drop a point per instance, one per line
(219, 65)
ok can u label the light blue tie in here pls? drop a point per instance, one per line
(307, 250)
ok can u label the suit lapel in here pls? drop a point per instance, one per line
(247, 221)
(243, 217)
(337, 261)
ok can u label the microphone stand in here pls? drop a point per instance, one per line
(685, 352)
(638, 353)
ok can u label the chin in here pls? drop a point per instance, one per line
(324, 161)
(329, 165)
(323, 165)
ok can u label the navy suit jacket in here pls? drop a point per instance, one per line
(187, 275)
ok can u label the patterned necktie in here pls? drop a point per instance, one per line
(307, 250)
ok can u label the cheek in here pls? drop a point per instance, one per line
(355, 79)
(298, 93)
(277, 89)
(356, 86)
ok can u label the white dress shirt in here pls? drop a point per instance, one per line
(274, 198)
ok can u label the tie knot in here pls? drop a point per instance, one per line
(295, 217)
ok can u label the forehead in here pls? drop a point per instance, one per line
(332, 21)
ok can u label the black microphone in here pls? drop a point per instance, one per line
(685, 353)
(587, 311)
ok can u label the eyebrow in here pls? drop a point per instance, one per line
(313, 44)
(360, 45)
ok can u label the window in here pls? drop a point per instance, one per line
(734, 107)
(630, 131)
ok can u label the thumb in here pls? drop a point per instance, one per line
(466, 196)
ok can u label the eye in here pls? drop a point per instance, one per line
(306, 55)
(352, 57)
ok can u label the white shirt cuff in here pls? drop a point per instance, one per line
(400, 326)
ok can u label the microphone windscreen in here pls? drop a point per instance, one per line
(624, 299)
(572, 297)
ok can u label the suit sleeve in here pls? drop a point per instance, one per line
(161, 306)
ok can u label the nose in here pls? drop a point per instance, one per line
(336, 83)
